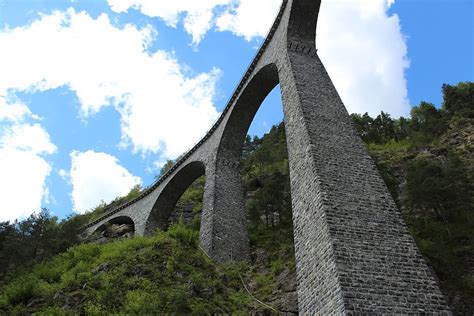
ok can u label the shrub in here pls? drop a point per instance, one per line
(22, 290)
(184, 235)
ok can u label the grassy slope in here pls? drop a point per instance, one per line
(166, 272)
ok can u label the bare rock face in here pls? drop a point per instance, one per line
(460, 138)
(286, 297)
(287, 303)
(286, 281)
(112, 231)
(119, 230)
(70, 303)
(184, 212)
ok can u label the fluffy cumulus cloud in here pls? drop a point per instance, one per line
(97, 177)
(360, 44)
(365, 54)
(13, 111)
(248, 18)
(163, 107)
(198, 15)
(23, 164)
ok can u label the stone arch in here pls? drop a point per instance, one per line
(223, 223)
(169, 196)
(102, 230)
(244, 111)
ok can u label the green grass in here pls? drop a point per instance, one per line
(166, 272)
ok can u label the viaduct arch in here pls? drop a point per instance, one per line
(115, 220)
(353, 251)
(164, 205)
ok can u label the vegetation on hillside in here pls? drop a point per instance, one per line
(426, 161)
(140, 276)
(35, 239)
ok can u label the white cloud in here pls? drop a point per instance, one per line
(14, 111)
(63, 174)
(365, 54)
(29, 138)
(23, 169)
(198, 15)
(164, 109)
(175, 120)
(249, 18)
(97, 177)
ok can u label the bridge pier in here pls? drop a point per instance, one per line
(353, 251)
(223, 231)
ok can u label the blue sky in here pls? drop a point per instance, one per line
(96, 95)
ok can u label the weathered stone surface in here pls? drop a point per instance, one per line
(353, 251)
(119, 230)
(287, 304)
(183, 212)
(286, 281)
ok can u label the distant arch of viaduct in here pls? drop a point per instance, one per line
(353, 251)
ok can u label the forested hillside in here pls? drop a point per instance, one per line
(426, 161)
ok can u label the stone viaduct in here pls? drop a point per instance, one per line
(353, 251)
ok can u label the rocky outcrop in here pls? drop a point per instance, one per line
(286, 298)
(111, 232)
(119, 230)
(184, 212)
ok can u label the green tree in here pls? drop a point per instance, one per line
(402, 128)
(427, 121)
(36, 238)
(383, 128)
(439, 188)
(166, 167)
(378, 131)
(459, 99)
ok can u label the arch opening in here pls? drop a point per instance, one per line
(181, 199)
(117, 227)
(265, 176)
(244, 111)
